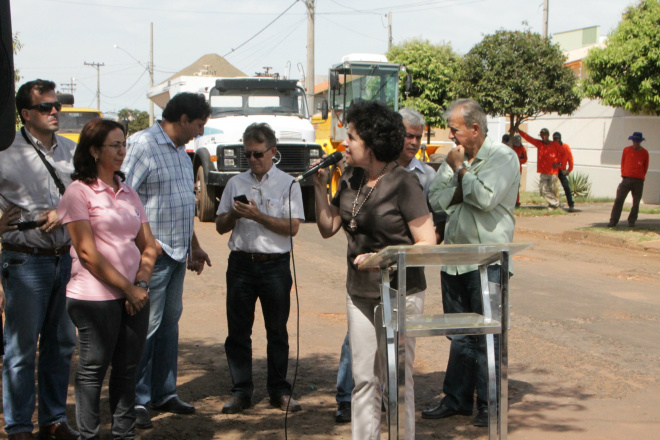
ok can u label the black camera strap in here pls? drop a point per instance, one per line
(51, 170)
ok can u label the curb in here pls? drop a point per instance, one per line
(596, 239)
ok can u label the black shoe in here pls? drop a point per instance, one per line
(441, 411)
(481, 420)
(142, 419)
(283, 402)
(57, 431)
(176, 406)
(631, 225)
(611, 225)
(236, 405)
(343, 412)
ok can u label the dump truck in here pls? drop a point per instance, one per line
(73, 119)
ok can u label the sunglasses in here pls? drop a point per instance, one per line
(257, 155)
(46, 107)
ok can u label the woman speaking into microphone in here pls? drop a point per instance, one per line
(378, 204)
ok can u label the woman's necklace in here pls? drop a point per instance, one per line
(352, 225)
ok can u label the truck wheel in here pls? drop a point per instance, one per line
(335, 176)
(309, 203)
(204, 198)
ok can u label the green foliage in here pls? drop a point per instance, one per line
(137, 119)
(16, 47)
(579, 184)
(626, 73)
(518, 74)
(433, 68)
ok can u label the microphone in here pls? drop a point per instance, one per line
(325, 163)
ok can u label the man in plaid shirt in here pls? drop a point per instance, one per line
(159, 169)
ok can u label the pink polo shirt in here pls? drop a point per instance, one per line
(116, 220)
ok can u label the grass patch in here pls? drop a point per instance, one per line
(538, 211)
(534, 198)
(645, 209)
(636, 234)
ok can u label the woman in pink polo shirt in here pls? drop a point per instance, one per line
(113, 258)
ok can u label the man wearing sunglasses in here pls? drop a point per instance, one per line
(159, 169)
(261, 226)
(36, 266)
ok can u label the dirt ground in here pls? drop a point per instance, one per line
(584, 357)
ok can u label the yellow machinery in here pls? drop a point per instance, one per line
(73, 119)
(357, 77)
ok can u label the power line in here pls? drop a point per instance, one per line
(268, 25)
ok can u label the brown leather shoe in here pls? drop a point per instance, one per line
(283, 401)
(58, 431)
(21, 436)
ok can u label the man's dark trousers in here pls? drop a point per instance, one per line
(270, 282)
(467, 368)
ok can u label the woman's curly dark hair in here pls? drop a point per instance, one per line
(93, 134)
(380, 127)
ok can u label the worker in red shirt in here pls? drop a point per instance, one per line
(547, 165)
(521, 152)
(634, 165)
(566, 159)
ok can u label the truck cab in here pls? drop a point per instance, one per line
(357, 77)
(236, 103)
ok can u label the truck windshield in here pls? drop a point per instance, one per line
(367, 82)
(258, 102)
(73, 122)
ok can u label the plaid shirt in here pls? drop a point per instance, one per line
(162, 175)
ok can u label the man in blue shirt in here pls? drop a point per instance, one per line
(159, 169)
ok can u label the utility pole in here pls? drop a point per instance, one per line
(97, 66)
(69, 87)
(151, 76)
(389, 30)
(545, 18)
(309, 79)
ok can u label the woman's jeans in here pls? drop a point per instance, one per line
(108, 335)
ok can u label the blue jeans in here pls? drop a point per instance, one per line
(156, 374)
(35, 287)
(108, 335)
(270, 282)
(345, 382)
(467, 367)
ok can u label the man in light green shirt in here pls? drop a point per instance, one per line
(477, 187)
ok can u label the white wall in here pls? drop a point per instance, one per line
(597, 136)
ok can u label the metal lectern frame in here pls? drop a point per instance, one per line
(397, 325)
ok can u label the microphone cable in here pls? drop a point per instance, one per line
(295, 284)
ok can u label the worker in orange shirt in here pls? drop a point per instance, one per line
(634, 165)
(521, 152)
(547, 165)
(566, 159)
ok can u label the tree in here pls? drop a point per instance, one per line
(518, 74)
(137, 119)
(626, 73)
(16, 47)
(432, 68)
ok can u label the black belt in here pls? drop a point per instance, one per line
(55, 252)
(258, 258)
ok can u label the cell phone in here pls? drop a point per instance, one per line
(242, 198)
(22, 226)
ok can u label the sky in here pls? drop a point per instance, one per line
(60, 36)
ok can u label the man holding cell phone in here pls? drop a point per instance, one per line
(36, 266)
(263, 210)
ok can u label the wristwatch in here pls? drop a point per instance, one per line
(143, 284)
